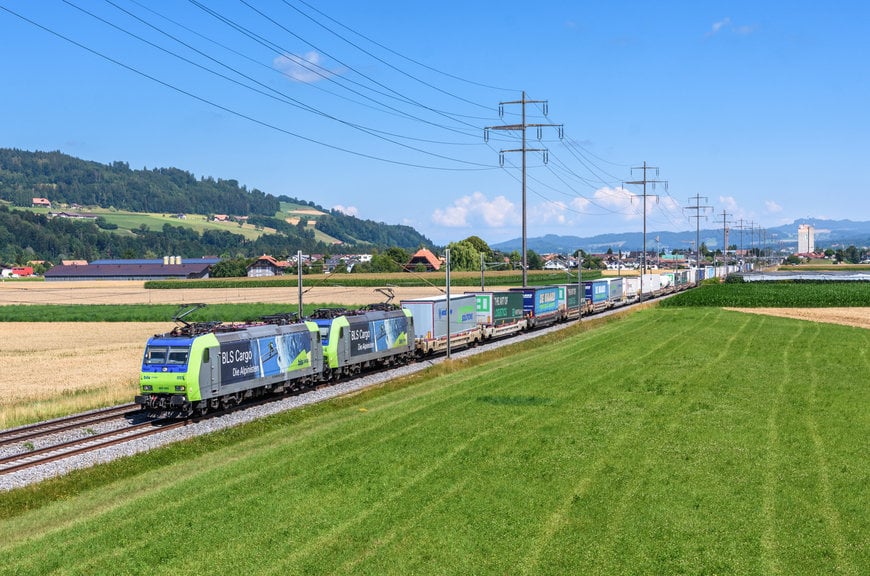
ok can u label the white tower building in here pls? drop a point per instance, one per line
(806, 239)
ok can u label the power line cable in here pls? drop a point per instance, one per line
(230, 110)
(473, 82)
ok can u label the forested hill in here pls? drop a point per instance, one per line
(64, 179)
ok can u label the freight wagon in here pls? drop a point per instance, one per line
(571, 305)
(616, 290)
(540, 305)
(598, 292)
(431, 320)
(500, 313)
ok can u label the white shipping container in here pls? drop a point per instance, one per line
(430, 315)
(651, 283)
(631, 285)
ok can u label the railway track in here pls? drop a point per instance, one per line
(89, 443)
(40, 429)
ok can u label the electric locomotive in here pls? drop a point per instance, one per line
(209, 365)
(375, 335)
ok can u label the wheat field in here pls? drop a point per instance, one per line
(51, 369)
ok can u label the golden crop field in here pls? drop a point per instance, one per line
(51, 369)
(134, 292)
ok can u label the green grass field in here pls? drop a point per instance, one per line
(672, 441)
(147, 312)
(434, 279)
(787, 294)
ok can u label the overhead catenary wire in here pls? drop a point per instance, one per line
(234, 112)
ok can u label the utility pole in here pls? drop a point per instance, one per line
(697, 216)
(724, 238)
(447, 281)
(522, 128)
(646, 181)
(299, 280)
(740, 227)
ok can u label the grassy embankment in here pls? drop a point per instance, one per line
(689, 440)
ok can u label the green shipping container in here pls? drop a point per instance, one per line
(495, 308)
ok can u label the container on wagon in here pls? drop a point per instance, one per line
(430, 315)
(631, 288)
(569, 300)
(540, 304)
(617, 289)
(597, 290)
(651, 283)
(498, 308)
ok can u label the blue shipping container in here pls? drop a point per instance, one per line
(539, 301)
(597, 290)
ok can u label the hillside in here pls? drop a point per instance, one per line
(150, 199)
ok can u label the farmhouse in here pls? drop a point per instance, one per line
(267, 266)
(426, 258)
(41, 203)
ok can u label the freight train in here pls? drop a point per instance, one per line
(204, 366)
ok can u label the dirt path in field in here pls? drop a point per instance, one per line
(131, 292)
(859, 317)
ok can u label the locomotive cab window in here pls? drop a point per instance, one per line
(176, 355)
(156, 354)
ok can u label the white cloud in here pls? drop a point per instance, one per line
(346, 210)
(728, 203)
(772, 207)
(306, 68)
(717, 26)
(621, 202)
(726, 25)
(476, 209)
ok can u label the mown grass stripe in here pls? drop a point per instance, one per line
(833, 525)
(770, 547)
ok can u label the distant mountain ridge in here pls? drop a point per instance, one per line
(828, 234)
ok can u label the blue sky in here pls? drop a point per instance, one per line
(379, 108)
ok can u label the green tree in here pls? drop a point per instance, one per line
(398, 255)
(534, 260)
(231, 268)
(464, 256)
(481, 247)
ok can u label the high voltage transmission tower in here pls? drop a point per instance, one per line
(725, 237)
(699, 211)
(645, 181)
(522, 128)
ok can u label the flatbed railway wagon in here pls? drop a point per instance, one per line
(208, 366)
(500, 313)
(571, 305)
(616, 290)
(598, 292)
(540, 305)
(430, 322)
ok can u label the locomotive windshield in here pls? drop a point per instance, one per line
(175, 355)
